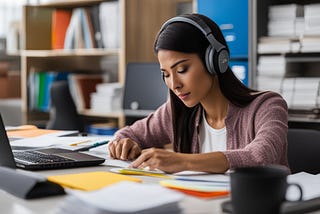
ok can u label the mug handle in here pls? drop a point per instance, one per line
(300, 191)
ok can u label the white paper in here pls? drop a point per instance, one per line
(117, 163)
(54, 141)
(202, 176)
(135, 196)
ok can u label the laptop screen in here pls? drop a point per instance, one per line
(144, 87)
(6, 156)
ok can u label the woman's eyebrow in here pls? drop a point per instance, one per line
(175, 64)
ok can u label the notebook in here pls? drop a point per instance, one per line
(36, 159)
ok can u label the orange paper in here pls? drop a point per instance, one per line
(29, 131)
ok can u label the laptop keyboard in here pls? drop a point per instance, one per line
(36, 157)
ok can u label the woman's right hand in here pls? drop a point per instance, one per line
(124, 149)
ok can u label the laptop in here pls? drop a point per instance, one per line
(40, 159)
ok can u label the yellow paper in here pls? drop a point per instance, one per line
(134, 171)
(90, 180)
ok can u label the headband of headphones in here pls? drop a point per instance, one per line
(217, 55)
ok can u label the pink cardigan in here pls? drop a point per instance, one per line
(256, 134)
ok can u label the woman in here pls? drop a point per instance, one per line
(212, 120)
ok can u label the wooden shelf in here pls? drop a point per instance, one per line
(76, 52)
(70, 3)
(136, 45)
(89, 112)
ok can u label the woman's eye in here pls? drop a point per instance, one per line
(182, 70)
(164, 75)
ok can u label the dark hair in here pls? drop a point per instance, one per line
(184, 37)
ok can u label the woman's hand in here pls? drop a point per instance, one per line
(161, 159)
(124, 149)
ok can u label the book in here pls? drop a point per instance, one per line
(39, 84)
(81, 87)
(107, 98)
(60, 22)
(72, 31)
(110, 23)
(88, 31)
(41, 93)
(94, 14)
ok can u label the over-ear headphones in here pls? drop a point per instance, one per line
(217, 55)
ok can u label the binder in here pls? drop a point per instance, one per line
(60, 22)
(27, 185)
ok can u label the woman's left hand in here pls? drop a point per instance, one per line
(167, 161)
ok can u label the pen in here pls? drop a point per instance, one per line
(78, 143)
(86, 148)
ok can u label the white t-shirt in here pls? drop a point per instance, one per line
(210, 139)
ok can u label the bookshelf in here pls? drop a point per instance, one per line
(140, 21)
(281, 33)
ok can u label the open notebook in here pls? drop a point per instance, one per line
(50, 158)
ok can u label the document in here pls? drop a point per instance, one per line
(71, 143)
(124, 197)
(203, 177)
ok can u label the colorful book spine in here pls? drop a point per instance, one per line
(60, 23)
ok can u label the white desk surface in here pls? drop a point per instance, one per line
(10, 204)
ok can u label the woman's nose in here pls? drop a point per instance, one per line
(174, 83)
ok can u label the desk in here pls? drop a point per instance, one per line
(10, 204)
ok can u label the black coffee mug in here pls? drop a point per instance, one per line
(259, 190)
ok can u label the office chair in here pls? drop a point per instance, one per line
(63, 111)
(304, 150)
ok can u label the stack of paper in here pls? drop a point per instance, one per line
(287, 90)
(197, 188)
(301, 92)
(282, 19)
(124, 197)
(193, 183)
(310, 44)
(278, 44)
(306, 92)
(271, 71)
(312, 19)
(107, 98)
(51, 140)
(200, 185)
(274, 66)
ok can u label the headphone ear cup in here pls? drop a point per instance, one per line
(209, 60)
(223, 60)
